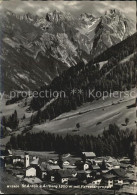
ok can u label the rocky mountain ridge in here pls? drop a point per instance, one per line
(37, 49)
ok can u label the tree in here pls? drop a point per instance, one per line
(38, 116)
(3, 121)
(24, 117)
(84, 158)
(13, 121)
(8, 146)
(32, 120)
(126, 121)
(78, 126)
(103, 165)
(60, 161)
(112, 142)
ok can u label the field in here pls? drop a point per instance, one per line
(93, 117)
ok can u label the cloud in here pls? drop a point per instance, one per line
(1, 7)
(19, 10)
(29, 4)
(64, 6)
(58, 6)
(128, 10)
(42, 11)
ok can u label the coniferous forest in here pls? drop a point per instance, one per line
(113, 142)
(11, 122)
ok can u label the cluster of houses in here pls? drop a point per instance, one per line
(87, 170)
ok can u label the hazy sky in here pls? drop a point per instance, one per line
(74, 7)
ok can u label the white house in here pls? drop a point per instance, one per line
(52, 178)
(53, 161)
(64, 180)
(30, 172)
(86, 166)
(110, 183)
(119, 181)
(16, 159)
(96, 182)
(64, 175)
(66, 163)
(108, 180)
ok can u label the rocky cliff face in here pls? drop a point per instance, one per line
(112, 28)
(37, 49)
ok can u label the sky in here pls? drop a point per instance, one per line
(97, 8)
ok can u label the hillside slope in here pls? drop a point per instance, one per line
(93, 118)
(117, 73)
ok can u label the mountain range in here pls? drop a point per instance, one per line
(35, 50)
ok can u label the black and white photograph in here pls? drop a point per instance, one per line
(68, 97)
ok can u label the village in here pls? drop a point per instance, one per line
(85, 170)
